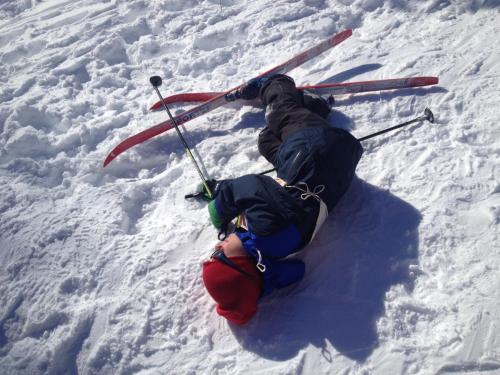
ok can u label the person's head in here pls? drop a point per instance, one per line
(233, 281)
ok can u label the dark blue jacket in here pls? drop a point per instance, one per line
(280, 221)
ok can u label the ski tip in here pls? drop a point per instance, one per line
(423, 81)
(155, 107)
(108, 159)
(343, 34)
(429, 80)
(433, 80)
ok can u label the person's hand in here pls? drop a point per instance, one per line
(202, 193)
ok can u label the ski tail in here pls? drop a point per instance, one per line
(322, 89)
(221, 99)
(132, 141)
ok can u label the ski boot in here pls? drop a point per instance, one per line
(253, 88)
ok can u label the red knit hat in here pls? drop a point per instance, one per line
(236, 294)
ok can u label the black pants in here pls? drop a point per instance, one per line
(287, 110)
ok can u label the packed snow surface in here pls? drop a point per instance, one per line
(100, 267)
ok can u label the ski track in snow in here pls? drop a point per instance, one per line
(100, 268)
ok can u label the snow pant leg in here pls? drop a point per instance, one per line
(285, 111)
(268, 145)
(279, 95)
(281, 99)
(316, 104)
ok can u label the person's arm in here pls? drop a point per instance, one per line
(282, 274)
(266, 205)
(288, 272)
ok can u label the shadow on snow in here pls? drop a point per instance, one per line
(351, 73)
(364, 248)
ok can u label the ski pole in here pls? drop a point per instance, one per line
(428, 115)
(156, 82)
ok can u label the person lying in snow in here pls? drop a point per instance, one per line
(315, 165)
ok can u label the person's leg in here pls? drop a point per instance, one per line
(280, 97)
(285, 113)
(268, 144)
(285, 110)
(315, 103)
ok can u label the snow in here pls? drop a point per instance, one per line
(100, 268)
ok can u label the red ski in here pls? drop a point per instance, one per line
(220, 99)
(323, 89)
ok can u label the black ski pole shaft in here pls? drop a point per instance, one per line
(155, 82)
(428, 115)
(268, 171)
